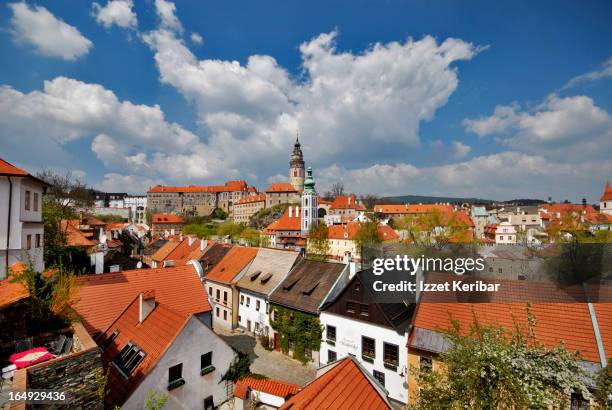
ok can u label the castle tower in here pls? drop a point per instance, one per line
(605, 202)
(296, 167)
(309, 203)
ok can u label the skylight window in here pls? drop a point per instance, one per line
(129, 358)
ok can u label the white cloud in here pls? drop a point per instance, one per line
(460, 149)
(196, 38)
(604, 72)
(49, 35)
(505, 175)
(346, 105)
(166, 10)
(573, 128)
(133, 184)
(118, 12)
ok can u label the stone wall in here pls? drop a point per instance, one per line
(74, 373)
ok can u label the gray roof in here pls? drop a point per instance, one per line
(307, 285)
(268, 269)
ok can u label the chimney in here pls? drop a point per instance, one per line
(147, 304)
(181, 237)
(168, 264)
(349, 200)
(203, 244)
(192, 239)
(352, 269)
(172, 231)
(297, 211)
(290, 211)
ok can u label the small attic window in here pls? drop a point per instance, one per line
(265, 278)
(222, 269)
(254, 275)
(289, 285)
(309, 291)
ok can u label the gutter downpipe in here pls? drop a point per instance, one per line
(8, 225)
(600, 347)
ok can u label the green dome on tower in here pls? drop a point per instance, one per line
(309, 183)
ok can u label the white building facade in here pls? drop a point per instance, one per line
(309, 203)
(505, 233)
(344, 336)
(21, 227)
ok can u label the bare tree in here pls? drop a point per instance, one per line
(337, 189)
(369, 201)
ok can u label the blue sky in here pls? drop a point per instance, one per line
(480, 99)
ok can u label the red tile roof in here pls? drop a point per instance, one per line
(413, 209)
(11, 292)
(350, 230)
(344, 386)
(154, 336)
(232, 264)
(281, 187)
(598, 219)
(322, 201)
(288, 223)
(271, 386)
(167, 219)
(185, 252)
(228, 187)
(346, 202)
(9, 169)
(240, 390)
(569, 323)
(607, 195)
(604, 319)
(102, 297)
(74, 237)
(166, 249)
(252, 198)
(563, 209)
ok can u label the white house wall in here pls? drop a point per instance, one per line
(348, 341)
(193, 341)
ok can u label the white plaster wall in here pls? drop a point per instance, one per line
(348, 341)
(250, 312)
(195, 340)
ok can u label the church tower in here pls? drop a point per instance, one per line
(309, 203)
(605, 202)
(296, 167)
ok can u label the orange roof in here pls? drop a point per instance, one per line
(232, 264)
(346, 202)
(569, 323)
(568, 208)
(252, 189)
(604, 320)
(598, 219)
(102, 297)
(322, 201)
(252, 198)
(413, 209)
(607, 195)
(9, 169)
(288, 223)
(344, 386)
(274, 387)
(166, 249)
(350, 230)
(240, 390)
(270, 229)
(228, 187)
(74, 237)
(184, 252)
(154, 336)
(167, 219)
(281, 187)
(11, 292)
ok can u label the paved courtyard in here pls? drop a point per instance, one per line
(272, 364)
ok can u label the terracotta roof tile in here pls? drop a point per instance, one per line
(271, 386)
(350, 230)
(344, 386)
(346, 202)
(228, 187)
(184, 251)
(166, 249)
(412, 209)
(563, 209)
(607, 195)
(7, 168)
(286, 222)
(167, 219)
(232, 264)
(281, 187)
(102, 297)
(154, 335)
(252, 198)
(74, 237)
(11, 292)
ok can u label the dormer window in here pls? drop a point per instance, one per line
(129, 358)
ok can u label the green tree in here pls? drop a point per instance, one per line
(230, 229)
(200, 230)
(488, 367)
(155, 401)
(251, 236)
(318, 242)
(603, 393)
(367, 235)
(219, 213)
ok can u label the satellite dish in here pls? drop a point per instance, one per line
(139, 265)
